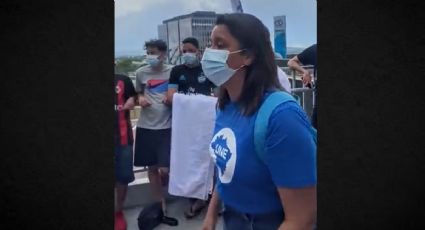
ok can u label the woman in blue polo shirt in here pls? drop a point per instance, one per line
(277, 190)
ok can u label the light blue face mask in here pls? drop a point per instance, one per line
(190, 59)
(152, 60)
(214, 65)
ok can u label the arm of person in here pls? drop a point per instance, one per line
(173, 85)
(170, 94)
(300, 208)
(295, 64)
(141, 98)
(129, 104)
(130, 95)
(140, 90)
(210, 220)
(291, 158)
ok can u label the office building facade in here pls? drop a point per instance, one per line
(197, 24)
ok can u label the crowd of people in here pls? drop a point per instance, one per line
(263, 142)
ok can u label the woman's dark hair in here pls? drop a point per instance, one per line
(261, 75)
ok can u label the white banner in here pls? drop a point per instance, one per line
(191, 165)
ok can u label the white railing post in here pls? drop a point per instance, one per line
(293, 79)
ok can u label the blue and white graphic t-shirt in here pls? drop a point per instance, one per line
(244, 181)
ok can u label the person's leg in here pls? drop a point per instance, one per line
(164, 173)
(163, 178)
(155, 183)
(119, 222)
(125, 174)
(146, 155)
(197, 205)
(195, 208)
(115, 198)
(121, 195)
(163, 140)
(148, 144)
(154, 174)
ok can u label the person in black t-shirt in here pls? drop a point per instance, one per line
(307, 57)
(189, 78)
(124, 102)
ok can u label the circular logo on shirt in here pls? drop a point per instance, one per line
(202, 78)
(182, 78)
(223, 152)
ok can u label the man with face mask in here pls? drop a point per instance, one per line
(153, 133)
(188, 78)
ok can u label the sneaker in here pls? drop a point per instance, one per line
(120, 223)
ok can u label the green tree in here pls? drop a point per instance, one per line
(124, 66)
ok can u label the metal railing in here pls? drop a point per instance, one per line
(305, 94)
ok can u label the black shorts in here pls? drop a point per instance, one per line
(152, 147)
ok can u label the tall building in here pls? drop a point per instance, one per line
(197, 24)
(280, 35)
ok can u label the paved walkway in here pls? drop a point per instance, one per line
(176, 207)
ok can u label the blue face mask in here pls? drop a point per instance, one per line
(214, 65)
(190, 59)
(152, 60)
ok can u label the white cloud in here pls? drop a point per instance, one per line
(126, 7)
(205, 5)
(137, 20)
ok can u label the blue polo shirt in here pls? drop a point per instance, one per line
(244, 181)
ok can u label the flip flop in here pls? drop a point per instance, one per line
(192, 212)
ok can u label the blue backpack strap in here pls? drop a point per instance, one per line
(263, 116)
(314, 134)
(297, 98)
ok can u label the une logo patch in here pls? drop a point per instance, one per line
(223, 151)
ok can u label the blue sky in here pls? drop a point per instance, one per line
(137, 20)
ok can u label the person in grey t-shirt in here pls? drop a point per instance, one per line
(153, 133)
